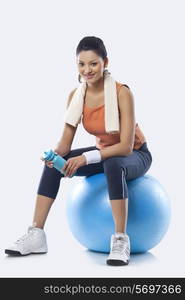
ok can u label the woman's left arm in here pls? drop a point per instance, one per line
(127, 126)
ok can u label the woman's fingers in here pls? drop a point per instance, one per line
(49, 164)
(70, 170)
(66, 168)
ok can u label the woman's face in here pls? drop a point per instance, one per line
(90, 65)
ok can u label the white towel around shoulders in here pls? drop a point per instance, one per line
(74, 111)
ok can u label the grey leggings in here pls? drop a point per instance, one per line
(118, 169)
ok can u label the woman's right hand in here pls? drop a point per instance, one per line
(49, 163)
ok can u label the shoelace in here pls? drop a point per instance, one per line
(24, 237)
(119, 245)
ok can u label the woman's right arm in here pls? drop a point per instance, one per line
(64, 145)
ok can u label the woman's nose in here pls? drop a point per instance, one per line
(87, 70)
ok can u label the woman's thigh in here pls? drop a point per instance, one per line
(136, 164)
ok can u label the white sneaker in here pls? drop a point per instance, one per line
(120, 250)
(32, 242)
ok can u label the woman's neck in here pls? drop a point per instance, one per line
(97, 86)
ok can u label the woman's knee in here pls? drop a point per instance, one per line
(51, 174)
(112, 165)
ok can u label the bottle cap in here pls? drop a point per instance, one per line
(48, 155)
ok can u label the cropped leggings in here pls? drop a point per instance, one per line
(118, 169)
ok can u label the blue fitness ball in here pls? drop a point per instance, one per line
(90, 218)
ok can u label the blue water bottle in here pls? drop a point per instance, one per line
(57, 160)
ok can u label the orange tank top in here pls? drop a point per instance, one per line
(93, 121)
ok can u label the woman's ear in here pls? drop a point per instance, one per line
(106, 61)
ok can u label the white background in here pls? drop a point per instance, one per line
(144, 41)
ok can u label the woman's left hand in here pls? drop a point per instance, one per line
(72, 164)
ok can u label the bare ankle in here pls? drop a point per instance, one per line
(37, 225)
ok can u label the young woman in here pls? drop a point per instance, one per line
(122, 156)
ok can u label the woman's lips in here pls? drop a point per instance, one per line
(89, 76)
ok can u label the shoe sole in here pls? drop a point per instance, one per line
(116, 262)
(17, 253)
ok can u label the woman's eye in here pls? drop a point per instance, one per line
(81, 64)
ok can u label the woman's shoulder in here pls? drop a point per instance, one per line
(70, 96)
(119, 85)
(72, 92)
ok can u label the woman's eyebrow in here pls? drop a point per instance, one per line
(89, 61)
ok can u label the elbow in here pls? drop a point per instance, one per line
(127, 151)
(130, 151)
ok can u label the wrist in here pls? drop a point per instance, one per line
(92, 157)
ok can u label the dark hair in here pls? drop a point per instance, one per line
(92, 43)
